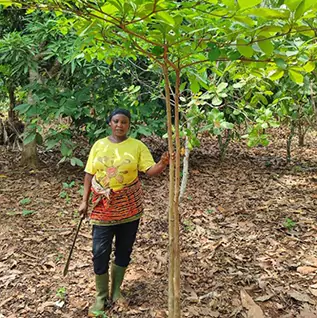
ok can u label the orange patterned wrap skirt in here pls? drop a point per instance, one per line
(122, 206)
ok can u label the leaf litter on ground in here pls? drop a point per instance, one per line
(237, 257)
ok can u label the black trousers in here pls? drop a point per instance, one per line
(125, 235)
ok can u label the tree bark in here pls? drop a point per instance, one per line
(223, 146)
(185, 166)
(289, 143)
(313, 100)
(29, 153)
(301, 134)
(177, 309)
(11, 113)
(171, 197)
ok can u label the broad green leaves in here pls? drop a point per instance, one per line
(194, 86)
(269, 13)
(296, 76)
(293, 4)
(6, 3)
(222, 48)
(157, 50)
(266, 46)
(276, 75)
(280, 63)
(165, 18)
(244, 4)
(245, 48)
(309, 67)
(214, 52)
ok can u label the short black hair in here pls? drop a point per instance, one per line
(118, 111)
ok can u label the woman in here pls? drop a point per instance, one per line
(112, 176)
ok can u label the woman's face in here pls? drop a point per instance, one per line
(120, 125)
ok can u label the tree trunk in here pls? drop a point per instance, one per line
(223, 146)
(171, 220)
(313, 100)
(289, 143)
(11, 113)
(29, 153)
(301, 140)
(301, 135)
(177, 306)
(185, 166)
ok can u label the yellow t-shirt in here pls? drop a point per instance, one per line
(116, 165)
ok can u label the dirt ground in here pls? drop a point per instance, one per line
(248, 237)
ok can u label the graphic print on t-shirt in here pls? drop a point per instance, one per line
(111, 170)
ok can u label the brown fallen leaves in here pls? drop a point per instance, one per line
(254, 310)
(238, 258)
(306, 270)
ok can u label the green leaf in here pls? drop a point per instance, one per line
(303, 30)
(6, 3)
(214, 52)
(266, 46)
(76, 162)
(226, 125)
(29, 138)
(309, 3)
(244, 4)
(66, 151)
(166, 18)
(233, 55)
(221, 87)
(51, 143)
(244, 48)
(264, 125)
(292, 4)
(144, 131)
(110, 8)
(39, 139)
(239, 84)
(22, 108)
(157, 50)
(270, 13)
(28, 212)
(245, 20)
(182, 86)
(309, 66)
(270, 29)
(216, 101)
(194, 86)
(134, 89)
(300, 10)
(275, 75)
(216, 131)
(296, 77)
(280, 63)
(25, 201)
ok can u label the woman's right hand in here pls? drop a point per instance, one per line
(83, 208)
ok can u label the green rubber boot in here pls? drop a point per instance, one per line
(102, 293)
(117, 275)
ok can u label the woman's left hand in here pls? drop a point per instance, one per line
(166, 158)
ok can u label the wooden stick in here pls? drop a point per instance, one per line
(73, 245)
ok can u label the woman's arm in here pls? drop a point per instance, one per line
(160, 166)
(83, 208)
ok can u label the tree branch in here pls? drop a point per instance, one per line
(102, 12)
